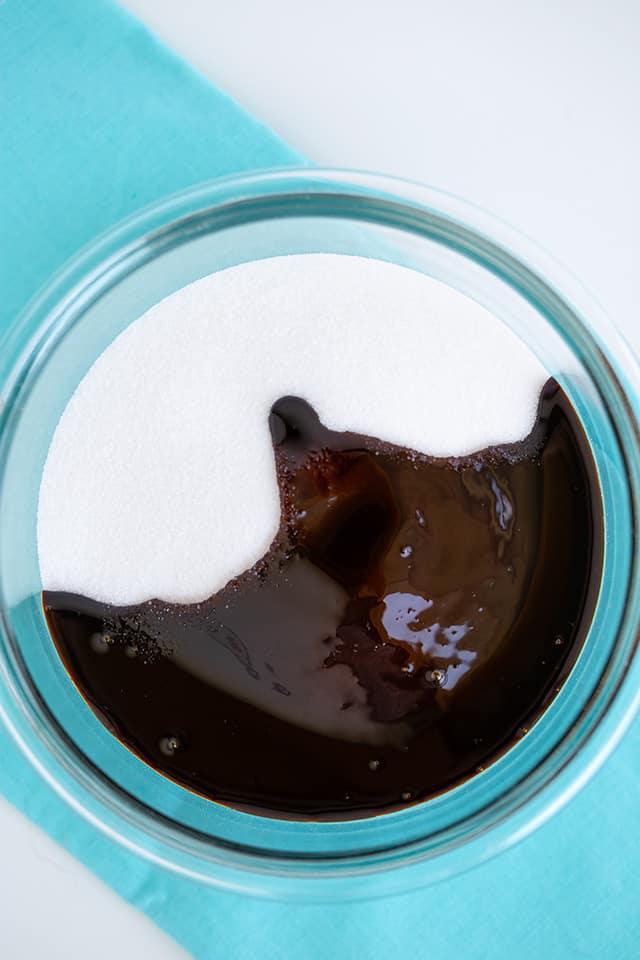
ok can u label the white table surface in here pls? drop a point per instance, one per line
(528, 108)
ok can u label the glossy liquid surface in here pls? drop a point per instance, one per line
(413, 619)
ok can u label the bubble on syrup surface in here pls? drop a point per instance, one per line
(100, 642)
(170, 745)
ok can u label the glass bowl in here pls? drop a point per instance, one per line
(176, 241)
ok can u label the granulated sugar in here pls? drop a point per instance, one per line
(160, 479)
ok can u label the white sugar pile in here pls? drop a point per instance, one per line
(160, 479)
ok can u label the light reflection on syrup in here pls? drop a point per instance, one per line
(402, 618)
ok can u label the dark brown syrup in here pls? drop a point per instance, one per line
(413, 619)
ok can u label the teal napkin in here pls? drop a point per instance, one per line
(97, 119)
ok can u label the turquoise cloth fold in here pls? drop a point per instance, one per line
(96, 119)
